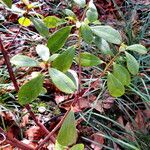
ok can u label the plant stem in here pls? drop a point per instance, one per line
(14, 142)
(54, 130)
(79, 67)
(7, 61)
(109, 64)
(13, 79)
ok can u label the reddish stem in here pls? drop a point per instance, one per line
(13, 79)
(53, 131)
(14, 142)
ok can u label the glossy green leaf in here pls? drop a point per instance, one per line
(8, 3)
(132, 64)
(52, 21)
(23, 61)
(58, 39)
(86, 33)
(138, 48)
(64, 61)
(59, 147)
(87, 59)
(30, 90)
(115, 87)
(103, 46)
(107, 33)
(70, 13)
(122, 74)
(91, 15)
(62, 81)
(40, 27)
(73, 76)
(77, 147)
(43, 52)
(81, 3)
(92, 5)
(53, 57)
(68, 134)
(24, 21)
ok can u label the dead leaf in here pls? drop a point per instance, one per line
(59, 98)
(108, 100)
(120, 120)
(129, 128)
(25, 118)
(30, 143)
(140, 122)
(34, 133)
(96, 137)
(147, 113)
(98, 106)
(6, 147)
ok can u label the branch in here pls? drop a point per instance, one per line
(14, 142)
(13, 79)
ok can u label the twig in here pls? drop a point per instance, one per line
(13, 79)
(7, 61)
(54, 130)
(109, 64)
(14, 142)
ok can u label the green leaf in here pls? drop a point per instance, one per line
(103, 46)
(115, 87)
(91, 15)
(138, 48)
(107, 33)
(77, 147)
(70, 13)
(23, 61)
(62, 81)
(24, 21)
(58, 39)
(64, 61)
(81, 3)
(92, 6)
(8, 3)
(73, 76)
(87, 59)
(53, 57)
(122, 74)
(52, 21)
(59, 147)
(30, 90)
(40, 27)
(132, 64)
(68, 134)
(86, 33)
(43, 52)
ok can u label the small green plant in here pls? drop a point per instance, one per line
(58, 59)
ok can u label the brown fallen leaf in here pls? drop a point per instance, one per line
(98, 106)
(34, 133)
(147, 113)
(30, 143)
(25, 118)
(120, 120)
(6, 147)
(96, 137)
(59, 98)
(129, 128)
(140, 122)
